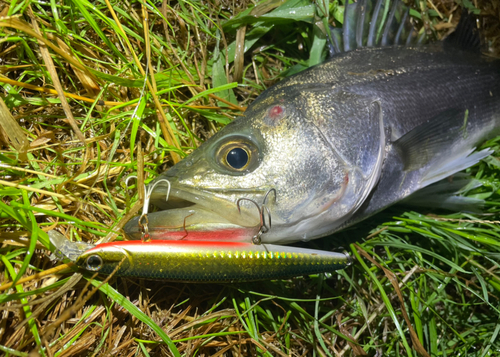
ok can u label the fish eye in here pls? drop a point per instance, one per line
(94, 263)
(237, 155)
(237, 158)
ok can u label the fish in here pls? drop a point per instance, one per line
(386, 116)
(194, 261)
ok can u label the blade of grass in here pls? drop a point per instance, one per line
(26, 308)
(134, 311)
(386, 300)
(11, 351)
(33, 240)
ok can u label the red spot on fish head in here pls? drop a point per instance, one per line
(275, 113)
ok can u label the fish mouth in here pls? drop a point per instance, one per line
(194, 214)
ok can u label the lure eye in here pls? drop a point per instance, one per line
(94, 263)
(237, 158)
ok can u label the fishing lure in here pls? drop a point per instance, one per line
(198, 261)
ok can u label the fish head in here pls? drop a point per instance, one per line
(278, 155)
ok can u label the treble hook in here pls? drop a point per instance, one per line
(143, 221)
(256, 239)
(263, 227)
(267, 209)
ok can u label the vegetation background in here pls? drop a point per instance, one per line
(96, 91)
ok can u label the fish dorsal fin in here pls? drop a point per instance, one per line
(466, 36)
(374, 23)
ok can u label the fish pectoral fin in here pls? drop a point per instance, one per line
(426, 142)
(442, 146)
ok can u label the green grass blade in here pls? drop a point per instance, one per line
(386, 300)
(134, 311)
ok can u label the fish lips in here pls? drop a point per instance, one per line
(191, 214)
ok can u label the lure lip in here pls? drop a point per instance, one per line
(65, 249)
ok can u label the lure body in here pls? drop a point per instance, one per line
(190, 261)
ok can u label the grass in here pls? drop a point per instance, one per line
(142, 84)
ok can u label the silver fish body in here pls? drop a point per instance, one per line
(337, 142)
